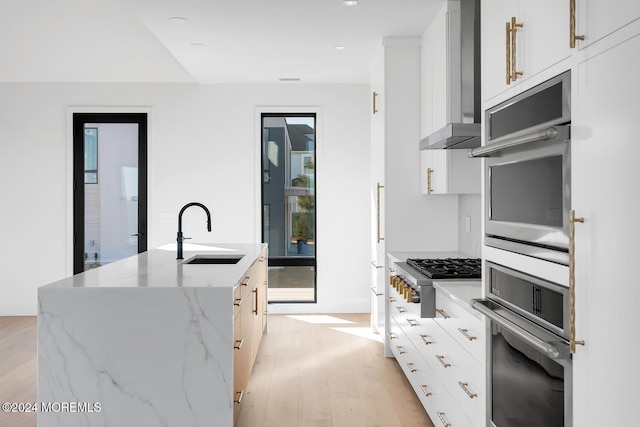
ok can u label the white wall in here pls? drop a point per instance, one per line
(202, 147)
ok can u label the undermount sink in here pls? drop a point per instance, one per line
(214, 259)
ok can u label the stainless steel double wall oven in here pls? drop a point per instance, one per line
(527, 211)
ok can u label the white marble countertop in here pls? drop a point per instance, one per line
(461, 292)
(159, 268)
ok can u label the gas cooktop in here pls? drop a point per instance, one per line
(448, 268)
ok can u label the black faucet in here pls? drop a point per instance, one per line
(181, 238)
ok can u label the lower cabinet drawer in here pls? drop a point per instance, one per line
(463, 326)
(462, 375)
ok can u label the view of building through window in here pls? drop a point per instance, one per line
(289, 205)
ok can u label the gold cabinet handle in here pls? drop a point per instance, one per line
(375, 95)
(401, 349)
(514, 30)
(391, 335)
(391, 299)
(465, 386)
(255, 311)
(238, 302)
(441, 360)
(375, 291)
(401, 309)
(391, 270)
(380, 238)
(508, 51)
(443, 420)
(426, 339)
(246, 281)
(429, 180)
(240, 395)
(511, 30)
(572, 281)
(238, 344)
(424, 390)
(443, 313)
(572, 25)
(373, 263)
(413, 322)
(465, 332)
(412, 367)
(261, 259)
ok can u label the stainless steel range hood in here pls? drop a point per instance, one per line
(463, 84)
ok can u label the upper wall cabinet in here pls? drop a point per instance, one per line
(596, 19)
(449, 172)
(520, 38)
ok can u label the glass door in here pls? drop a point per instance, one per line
(289, 205)
(109, 188)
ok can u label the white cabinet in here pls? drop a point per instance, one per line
(449, 172)
(446, 373)
(396, 203)
(605, 177)
(541, 41)
(599, 18)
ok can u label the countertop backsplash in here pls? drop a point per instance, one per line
(469, 242)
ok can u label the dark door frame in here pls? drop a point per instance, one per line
(79, 121)
(290, 261)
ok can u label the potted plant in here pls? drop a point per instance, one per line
(301, 230)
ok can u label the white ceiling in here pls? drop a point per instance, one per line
(222, 41)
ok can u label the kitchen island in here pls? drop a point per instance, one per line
(151, 340)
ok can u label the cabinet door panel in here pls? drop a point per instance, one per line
(605, 177)
(599, 18)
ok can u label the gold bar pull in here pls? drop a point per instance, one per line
(401, 309)
(424, 390)
(375, 291)
(238, 302)
(238, 344)
(240, 395)
(465, 332)
(429, 180)
(466, 390)
(412, 367)
(572, 25)
(443, 420)
(508, 50)
(373, 263)
(514, 29)
(401, 349)
(375, 109)
(391, 335)
(441, 360)
(391, 299)
(426, 339)
(380, 238)
(443, 313)
(413, 322)
(572, 281)
(255, 311)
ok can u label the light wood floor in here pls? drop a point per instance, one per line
(310, 371)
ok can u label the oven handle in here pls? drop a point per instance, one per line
(504, 143)
(547, 348)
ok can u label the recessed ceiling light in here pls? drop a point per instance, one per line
(289, 79)
(339, 47)
(196, 44)
(177, 20)
(350, 2)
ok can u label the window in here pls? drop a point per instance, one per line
(289, 205)
(90, 155)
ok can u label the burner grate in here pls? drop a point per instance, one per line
(448, 268)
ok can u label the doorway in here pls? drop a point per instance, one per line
(109, 188)
(289, 205)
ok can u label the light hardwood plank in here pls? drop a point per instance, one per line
(310, 371)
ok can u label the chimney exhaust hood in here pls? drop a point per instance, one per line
(463, 84)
